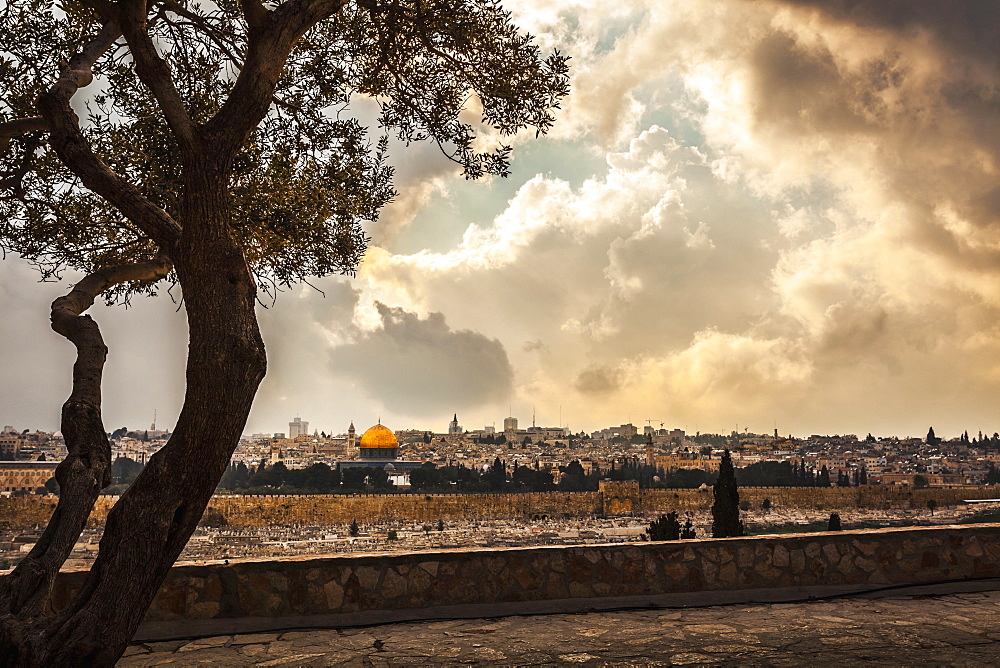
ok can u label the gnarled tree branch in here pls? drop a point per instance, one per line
(86, 469)
(271, 38)
(13, 180)
(20, 126)
(154, 72)
(255, 13)
(76, 153)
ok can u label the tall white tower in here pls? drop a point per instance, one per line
(298, 427)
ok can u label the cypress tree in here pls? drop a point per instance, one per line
(242, 476)
(834, 524)
(726, 508)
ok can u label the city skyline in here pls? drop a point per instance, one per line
(305, 427)
(774, 214)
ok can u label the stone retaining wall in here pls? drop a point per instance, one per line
(342, 586)
(259, 511)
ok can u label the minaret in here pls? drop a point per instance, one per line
(350, 440)
(650, 459)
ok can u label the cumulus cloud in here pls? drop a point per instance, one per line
(826, 225)
(773, 211)
(416, 366)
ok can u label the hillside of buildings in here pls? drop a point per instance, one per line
(529, 459)
(302, 492)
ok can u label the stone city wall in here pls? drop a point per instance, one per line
(874, 497)
(19, 513)
(289, 591)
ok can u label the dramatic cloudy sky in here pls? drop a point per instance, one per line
(756, 213)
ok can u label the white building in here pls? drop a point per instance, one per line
(298, 427)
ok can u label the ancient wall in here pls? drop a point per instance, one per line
(619, 497)
(342, 509)
(821, 498)
(286, 590)
(25, 476)
(27, 512)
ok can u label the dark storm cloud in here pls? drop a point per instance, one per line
(803, 82)
(415, 366)
(920, 79)
(598, 379)
(962, 37)
(970, 28)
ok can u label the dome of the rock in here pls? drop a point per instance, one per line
(379, 437)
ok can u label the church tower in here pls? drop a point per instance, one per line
(650, 459)
(453, 427)
(351, 440)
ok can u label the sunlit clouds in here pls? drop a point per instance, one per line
(813, 243)
(766, 213)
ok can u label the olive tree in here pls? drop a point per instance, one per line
(212, 146)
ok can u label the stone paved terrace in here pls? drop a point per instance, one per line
(954, 624)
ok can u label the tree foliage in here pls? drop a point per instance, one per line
(992, 475)
(124, 470)
(305, 177)
(823, 479)
(665, 527)
(669, 527)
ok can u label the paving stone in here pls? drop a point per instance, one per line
(253, 650)
(202, 643)
(688, 658)
(936, 630)
(254, 638)
(290, 660)
(165, 646)
(709, 628)
(577, 658)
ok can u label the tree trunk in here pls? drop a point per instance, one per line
(151, 523)
(84, 472)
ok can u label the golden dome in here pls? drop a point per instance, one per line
(379, 437)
